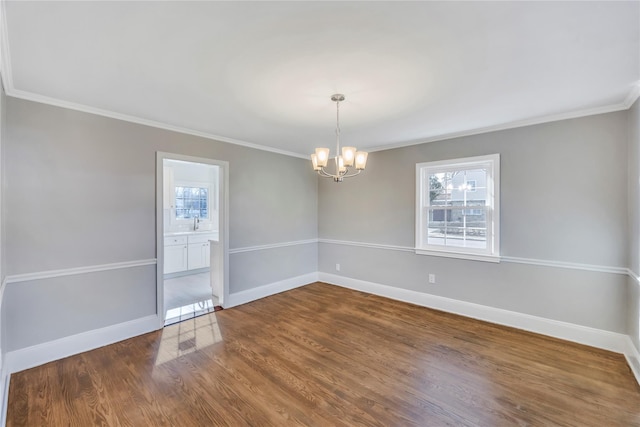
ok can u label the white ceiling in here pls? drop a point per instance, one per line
(263, 72)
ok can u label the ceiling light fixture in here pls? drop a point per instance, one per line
(349, 158)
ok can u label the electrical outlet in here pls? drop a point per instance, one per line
(432, 278)
(337, 267)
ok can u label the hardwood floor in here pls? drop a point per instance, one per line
(322, 355)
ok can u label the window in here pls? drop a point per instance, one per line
(192, 202)
(457, 208)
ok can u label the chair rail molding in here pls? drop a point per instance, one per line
(272, 246)
(515, 260)
(48, 274)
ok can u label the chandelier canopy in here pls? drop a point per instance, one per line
(349, 158)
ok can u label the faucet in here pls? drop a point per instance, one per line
(196, 223)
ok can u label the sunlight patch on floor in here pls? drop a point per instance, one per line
(188, 311)
(187, 337)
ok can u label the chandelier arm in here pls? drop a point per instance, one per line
(350, 175)
(345, 174)
(325, 174)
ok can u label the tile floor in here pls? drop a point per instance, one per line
(187, 297)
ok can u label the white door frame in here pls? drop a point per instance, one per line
(223, 232)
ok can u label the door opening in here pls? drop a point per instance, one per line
(192, 236)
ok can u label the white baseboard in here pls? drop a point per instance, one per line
(633, 358)
(39, 354)
(567, 331)
(4, 377)
(5, 398)
(249, 295)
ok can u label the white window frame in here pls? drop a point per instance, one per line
(192, 184)
(492, 163)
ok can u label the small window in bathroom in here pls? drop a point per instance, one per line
(192, 202)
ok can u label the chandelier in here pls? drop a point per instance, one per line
(350, 156)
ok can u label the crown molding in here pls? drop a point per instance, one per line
(631, 97)
(7, 82)
(10, 91)
(6, 78)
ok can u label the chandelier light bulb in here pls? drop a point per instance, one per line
(341, 166)
(348, 155)
(314, 162)
(322, 156)
(361, 160)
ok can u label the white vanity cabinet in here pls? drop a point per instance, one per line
(187, 252)
(199, 251)
(175, 254)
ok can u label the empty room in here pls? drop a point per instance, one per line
(320, 213)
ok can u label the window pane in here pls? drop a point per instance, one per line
(465, 228)
(191, 202)
(457, 188)
(468, 187)
(439, 189)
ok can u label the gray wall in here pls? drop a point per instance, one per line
(291, 261)
(633, 300)
(80, 191)
(3, 270)
(563, 199)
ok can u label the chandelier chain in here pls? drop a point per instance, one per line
(337, 130)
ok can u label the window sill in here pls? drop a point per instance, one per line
(459, 255)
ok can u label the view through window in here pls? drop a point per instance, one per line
(457, 206)
(192, 202)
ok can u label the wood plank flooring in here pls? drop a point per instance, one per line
(322, 355)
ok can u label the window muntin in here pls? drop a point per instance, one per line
(457, 204)
(191, 202)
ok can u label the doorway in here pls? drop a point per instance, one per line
(192, 227)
